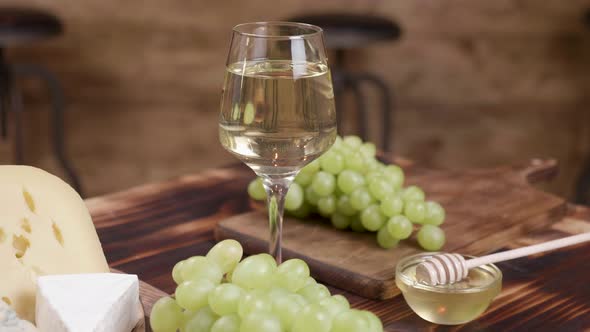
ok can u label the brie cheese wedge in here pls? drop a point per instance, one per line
(103, 302)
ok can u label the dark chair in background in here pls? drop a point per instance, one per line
(21, 26)
(583, 185)
(343, 32)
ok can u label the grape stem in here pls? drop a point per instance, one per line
(276, 190)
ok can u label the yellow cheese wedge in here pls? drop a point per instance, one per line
(45, 228)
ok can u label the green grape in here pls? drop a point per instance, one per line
(312, 317)
(229, 323)
(304, 178)
(334, 305)
(286, 309)
(312, 167)
(176, 272)
(299, 299)
(224, 299)
(342, 300)
(360, 198)
(332, 162)
(350, 321)
(371, 218)
(355, 162)
(310, 281)
(392, 205)
(311, 196)
(380, 188)
(292, 274)
(375, 324)
(349, 180)
(395, 175)
(226, 254)
(372, 165)
(373, 174)
(294, 197)
(186, 316)
(166, 315)
(399, 227)
(249, 113)
(261, 322)
(202, 321)
(368, 150)
(413, 193)
(340, 221)
(314, 293)
(254, 272)
(337, 143)
(435, 214)
(277, 292)
(256, 190)
(199, 267)
(327, 205)
(344, 207)
(255, 300)
(193, 294)
(323, 183)
(357, 226)
(431, 237)
(353, 142)
(303, 211)
(415, 211)
(385, 240)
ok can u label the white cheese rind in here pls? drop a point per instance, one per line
(52, 233)
(9, 321)
(104, 302)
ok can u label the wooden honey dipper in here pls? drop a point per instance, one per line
(442, 269)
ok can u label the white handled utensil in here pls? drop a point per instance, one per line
(442, 269)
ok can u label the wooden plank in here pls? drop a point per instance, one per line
(486, 210)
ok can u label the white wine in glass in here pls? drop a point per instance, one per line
(277, 106)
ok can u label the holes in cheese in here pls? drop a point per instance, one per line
(57, 234)
(29, 200)
(6, 300)
(62, 238)
(20, 244)
(25, 225)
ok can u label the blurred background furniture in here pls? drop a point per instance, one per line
(25, 26)
(583, 185)
(344, 32)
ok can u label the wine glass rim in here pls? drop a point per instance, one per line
(313, 30)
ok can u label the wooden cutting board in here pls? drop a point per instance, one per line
(148, 295)
(486, 210)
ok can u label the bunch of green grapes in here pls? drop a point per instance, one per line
(220, 293)
(348, 185)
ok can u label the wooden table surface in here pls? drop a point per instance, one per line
(147, 229)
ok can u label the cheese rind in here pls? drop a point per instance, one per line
(9, 321)
(105, 302)
(45, 229)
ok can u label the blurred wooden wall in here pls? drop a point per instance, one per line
(478, 83)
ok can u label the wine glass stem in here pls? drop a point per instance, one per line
(276, 190)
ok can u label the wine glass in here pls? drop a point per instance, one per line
(277, 107)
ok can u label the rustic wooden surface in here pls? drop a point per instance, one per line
(466, 74)
(490, 208)
(146, 230)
